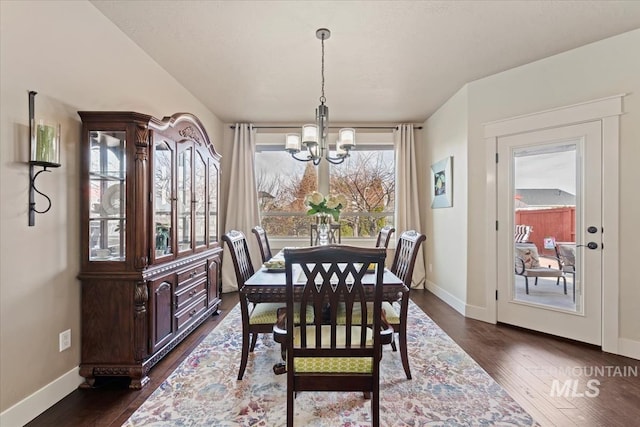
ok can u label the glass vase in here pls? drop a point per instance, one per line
(324, 221)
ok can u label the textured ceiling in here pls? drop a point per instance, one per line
(386, 61)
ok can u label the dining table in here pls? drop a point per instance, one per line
(269, 285)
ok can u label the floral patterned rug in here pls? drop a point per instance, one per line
(448, 387)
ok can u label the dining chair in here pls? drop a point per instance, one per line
(263, 243)
(258, 318)
(402, 266)
(384, 236)
(324, 354)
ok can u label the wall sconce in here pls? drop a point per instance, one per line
(44, 152)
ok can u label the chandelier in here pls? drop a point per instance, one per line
(314, 136)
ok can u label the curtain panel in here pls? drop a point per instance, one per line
(242, 204)
(407, 202)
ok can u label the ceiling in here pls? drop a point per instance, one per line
(385, 62)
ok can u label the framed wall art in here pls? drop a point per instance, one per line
(442, 184)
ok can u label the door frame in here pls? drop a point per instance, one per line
(607, 111)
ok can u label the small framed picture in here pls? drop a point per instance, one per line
(442, 184)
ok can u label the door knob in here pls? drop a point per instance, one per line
(592, 229)
(590, 245)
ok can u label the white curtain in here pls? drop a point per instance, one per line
(242, 203)
(407, 205)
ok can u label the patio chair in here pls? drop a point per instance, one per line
(521, 233)
(325, 354)
(566, 253)
(527, 264)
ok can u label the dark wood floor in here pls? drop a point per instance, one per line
(524, 363)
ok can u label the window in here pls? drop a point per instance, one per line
(366, 179)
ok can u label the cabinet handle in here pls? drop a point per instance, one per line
(192, 312)
(192, 274)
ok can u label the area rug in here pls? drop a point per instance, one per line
(448, 387)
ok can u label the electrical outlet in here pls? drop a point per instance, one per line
(65, 340)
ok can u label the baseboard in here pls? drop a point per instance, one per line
(629, 348)
(35, 404)
(455, 303)
(478, 313)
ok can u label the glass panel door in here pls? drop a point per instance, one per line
(184, 208)
(163, 157)
(107, 186)
(545, 210)
(200, 195)
(213, 201)
(549, 188)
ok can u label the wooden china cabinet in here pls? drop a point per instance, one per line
(150, 254)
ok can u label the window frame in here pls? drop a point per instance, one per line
(270, 140)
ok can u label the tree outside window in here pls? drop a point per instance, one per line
(366, 179)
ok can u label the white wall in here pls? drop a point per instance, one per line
(598, 70)
(75, 59)
(446, 228)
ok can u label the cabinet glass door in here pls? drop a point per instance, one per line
(213, 201)
(107, 186)
(200, 195)
(184, 208)
(163, 156)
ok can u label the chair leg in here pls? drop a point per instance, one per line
(402, 338)
(245, 354)
(290, 397)
(526, 285)
(402, 334)
(254, 339)
(393, 343)
(564, 279)
(535, 282)
(244, 310)
(375, 408)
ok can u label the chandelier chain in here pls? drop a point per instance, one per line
(322, 98)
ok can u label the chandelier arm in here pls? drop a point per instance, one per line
(335, 160)
(308, 159)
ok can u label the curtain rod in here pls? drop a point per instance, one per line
(330, 127)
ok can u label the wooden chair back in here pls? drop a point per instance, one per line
(263, 243)
(406, 253)
(239, 250)
(384, 236)
(326, 278)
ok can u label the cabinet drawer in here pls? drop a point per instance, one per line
(191, 312)
(191, 274)
(187, 295)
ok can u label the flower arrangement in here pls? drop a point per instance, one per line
(328, 205)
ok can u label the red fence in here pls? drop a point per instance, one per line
(559, 223)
